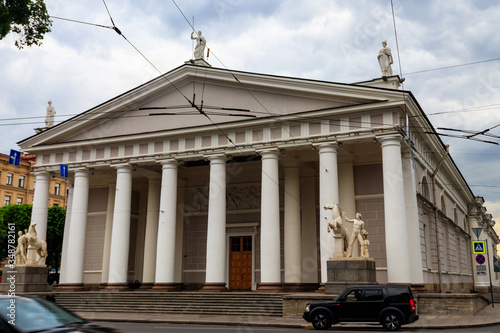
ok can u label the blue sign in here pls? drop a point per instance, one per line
(64, 171)
(15, 157)
(478, 247)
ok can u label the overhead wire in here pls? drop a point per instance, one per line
(258, 101)
(453, 66)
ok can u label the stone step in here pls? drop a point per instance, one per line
(173, 303)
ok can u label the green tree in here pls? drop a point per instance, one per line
(28, 18)
(20, 215)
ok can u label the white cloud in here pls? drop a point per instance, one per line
(80, 65)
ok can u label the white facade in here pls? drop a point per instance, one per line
(199, 198)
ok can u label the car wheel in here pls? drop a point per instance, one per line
(391, 321)
(321, 320)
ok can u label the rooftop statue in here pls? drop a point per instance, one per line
(385, 60)
(201, 42)
(49, 118)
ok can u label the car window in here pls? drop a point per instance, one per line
(374, 295)
(353, 295)
(398, 293)
(31, 314)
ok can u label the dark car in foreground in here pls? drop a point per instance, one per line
(388, 305)
(26, 314)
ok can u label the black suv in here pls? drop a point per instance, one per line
(389, 305)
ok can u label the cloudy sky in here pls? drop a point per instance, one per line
(448, 53)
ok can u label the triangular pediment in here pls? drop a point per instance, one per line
(173, 102)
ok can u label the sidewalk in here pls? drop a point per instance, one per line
(487, 316)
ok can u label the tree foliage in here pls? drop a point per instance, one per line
(27, 18)
(20, 215)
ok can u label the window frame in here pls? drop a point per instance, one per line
(22, 179)
(10, 178)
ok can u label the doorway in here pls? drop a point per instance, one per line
(240, 263)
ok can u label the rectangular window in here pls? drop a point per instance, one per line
(19, 201)
(21, 181)
(6, 200)
(9, 178)
(57, 188)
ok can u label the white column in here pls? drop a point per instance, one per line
(179, 233)
(165, 249)
(108, 231)
(67, 223)
(309, 230)
(292, 232)
(148, 276)
(346, 193)
(270, 263)
(328, 193)
(78, 229)
(120, 237)
(417, 274)
(396, 229)
(215, 279)
(41, 203)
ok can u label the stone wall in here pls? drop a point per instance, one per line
(450, 304)
(436, 304)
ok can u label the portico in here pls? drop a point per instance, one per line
(235, 202)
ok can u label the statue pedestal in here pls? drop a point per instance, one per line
(24, 278)
(31, 257)
(346, 272)
(339, 247)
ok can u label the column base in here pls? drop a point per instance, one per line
(146, 286)
(418, 288)
(294, 287)
(69, 287)
(166, 287)
(214, 287)
(116, 287)
(270, 288)
(321, 289)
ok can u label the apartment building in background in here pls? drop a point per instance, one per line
(17, 183)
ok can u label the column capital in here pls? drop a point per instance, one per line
(122, 166)
(216, 158)
(38, 173)
(81, 171)
(389, 139)
(169, 162)
(154, 179)
(326, 147)
(269, 153)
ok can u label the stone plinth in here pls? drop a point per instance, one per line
(24, 278)
(346, 272)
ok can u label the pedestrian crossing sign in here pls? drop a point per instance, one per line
(478, 247)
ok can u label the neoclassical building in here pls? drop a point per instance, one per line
(212, 179)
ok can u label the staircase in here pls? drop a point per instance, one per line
(251, 304)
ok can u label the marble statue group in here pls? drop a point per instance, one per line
(358, 234)
(29, 243)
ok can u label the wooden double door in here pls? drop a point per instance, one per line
(240, 263)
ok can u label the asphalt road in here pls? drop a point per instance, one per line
(187, 328)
